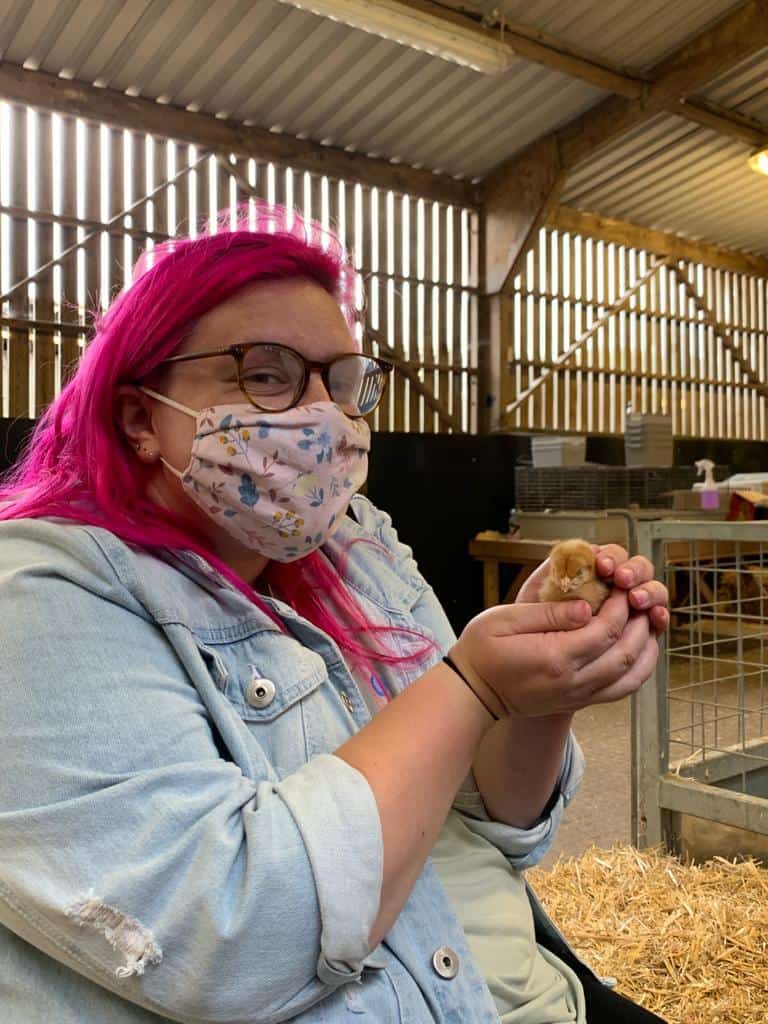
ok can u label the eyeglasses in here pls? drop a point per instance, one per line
(274, 377)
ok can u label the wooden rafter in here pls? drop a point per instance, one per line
(541, 48)
(517, 203)
(735, 37)
(608, 229)
(516, 211)
(49, 92)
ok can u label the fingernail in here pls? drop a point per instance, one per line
(578, 610)
(642, 599)
(608, 564)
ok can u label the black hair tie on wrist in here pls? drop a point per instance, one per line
(464, 679)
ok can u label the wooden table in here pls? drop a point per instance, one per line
(526, 554)
(529, 554)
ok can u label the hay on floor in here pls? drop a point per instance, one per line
(689, 942)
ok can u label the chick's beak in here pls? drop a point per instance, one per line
(565, 584)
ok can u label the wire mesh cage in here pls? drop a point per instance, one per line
(591, 487)
(702, 720)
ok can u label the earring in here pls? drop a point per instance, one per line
(148, 453)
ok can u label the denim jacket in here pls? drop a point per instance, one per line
(177, 839)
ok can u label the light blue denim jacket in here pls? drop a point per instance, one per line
(177, 839)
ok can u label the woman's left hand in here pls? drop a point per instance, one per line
(614, 565)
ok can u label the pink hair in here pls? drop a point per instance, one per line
(79, 466)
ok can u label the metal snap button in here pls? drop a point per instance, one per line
(260, 693)
(446, 962)
(347, 701)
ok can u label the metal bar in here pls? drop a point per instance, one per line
(693, 529)
(691, 797)
(94, 234)
(726, 764)
(611, 311)
(651, 716)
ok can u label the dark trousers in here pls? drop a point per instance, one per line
(604, 1005)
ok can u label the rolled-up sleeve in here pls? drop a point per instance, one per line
(335, 811)
(130, 850)
(524, 847)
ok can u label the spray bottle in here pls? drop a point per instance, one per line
(709, 494)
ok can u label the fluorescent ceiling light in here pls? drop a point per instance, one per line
(759, 161)
(419, 29)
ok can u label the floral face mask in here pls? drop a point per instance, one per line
(279, 482)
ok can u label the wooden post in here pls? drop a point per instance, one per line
(519, 197)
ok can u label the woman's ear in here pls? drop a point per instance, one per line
(133, 415)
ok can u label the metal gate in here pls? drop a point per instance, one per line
(701, 741)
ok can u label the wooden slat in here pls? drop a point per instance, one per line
(440, 220)
(18, 345)
(410, 313)
(45, 343)
(67, 236)
(392, 301)
(454, 309)
(92, 171)
(112, 202)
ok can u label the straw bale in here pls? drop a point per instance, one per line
(687, 941)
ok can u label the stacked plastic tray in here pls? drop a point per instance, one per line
(648, 440)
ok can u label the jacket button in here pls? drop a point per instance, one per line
(260, 693)
(446, 962)
(347, 701)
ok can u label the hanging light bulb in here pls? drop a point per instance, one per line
(759, 161)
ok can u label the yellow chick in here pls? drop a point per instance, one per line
(573, 575)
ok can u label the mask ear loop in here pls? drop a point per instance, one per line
(174, 405)
(169, 401)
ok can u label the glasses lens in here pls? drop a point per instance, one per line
(271, 376)
(356, 383)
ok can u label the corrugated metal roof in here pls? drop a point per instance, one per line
(745, 88)
(277, 67)
(675, 176)
(272, 65)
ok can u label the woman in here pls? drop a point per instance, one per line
(230, 741)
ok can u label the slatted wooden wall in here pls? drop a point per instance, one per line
(62, 178)
(658, 355)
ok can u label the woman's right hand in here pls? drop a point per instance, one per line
(556, 657)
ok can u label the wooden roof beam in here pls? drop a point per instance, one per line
(541, 48)
(608, 229)
(731, 40)
(521, 193)
(79, 99)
